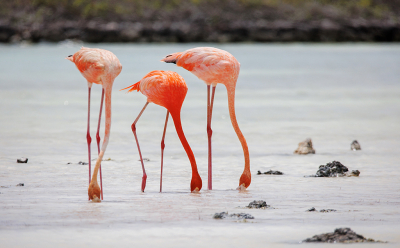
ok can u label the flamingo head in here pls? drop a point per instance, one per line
(94, 191)
(196, 184)
(244, 181)
(70, 58)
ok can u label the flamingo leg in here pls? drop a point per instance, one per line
(137, 142)
(88, 138)
(98, 139)
(210, 103)
(162, 149)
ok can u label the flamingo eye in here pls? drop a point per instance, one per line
(168, 55)
(69, 56)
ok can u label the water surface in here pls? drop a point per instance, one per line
(285, 94)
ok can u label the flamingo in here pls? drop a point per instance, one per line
(167, 89)
(215, 66)
(100, 67)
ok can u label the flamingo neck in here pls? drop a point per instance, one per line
(107, 101)
(196, 179)
(232, 114)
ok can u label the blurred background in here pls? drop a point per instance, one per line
(200, 20)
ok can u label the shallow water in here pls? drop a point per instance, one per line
(285, 94)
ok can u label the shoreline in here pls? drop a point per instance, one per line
(182, 32)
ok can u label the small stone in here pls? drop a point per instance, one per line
(82, 163)
(258, 204)
(145, 159)
(305, 147)
(270, 172)
(20, 184)
(327, 210)
(242, 216)
(69, 163)
(239, 216)
(311, 209)
(355, 146)
(22, 160)
(355, 173)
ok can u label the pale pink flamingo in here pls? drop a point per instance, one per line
(167, 89)
(215, 66)
(100, 67)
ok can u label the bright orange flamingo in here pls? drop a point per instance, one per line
(100, 67)
(215, 66)
(167, 89)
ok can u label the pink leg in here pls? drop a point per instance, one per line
(137, 142)
(209, 133)
(98, 140)
(162, 149)
(88, 138)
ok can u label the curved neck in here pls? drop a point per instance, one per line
(107, 95)
(176, 117)
(231, 102)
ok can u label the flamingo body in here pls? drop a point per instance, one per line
(98, 66)
(168, 89)
(215, 66)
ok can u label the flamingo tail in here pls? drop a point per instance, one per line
(133, 87)
(245, 179)
(196, 183)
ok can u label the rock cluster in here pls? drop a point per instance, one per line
(239, 216)
(335, 169)
(340, 235)
(322, 210)
(270, 172)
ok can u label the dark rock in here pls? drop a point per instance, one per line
(355, 145)
(258, 204)
(333, 169)
(305, 147)
(355, 173)
(145, 159)
(221, 215)
(270, 172)
(22, 160)
(20, 184)
(240, 216)
(82, 163)
(311, 210)
(340, 235)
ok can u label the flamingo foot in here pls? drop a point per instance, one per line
(144, 178)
